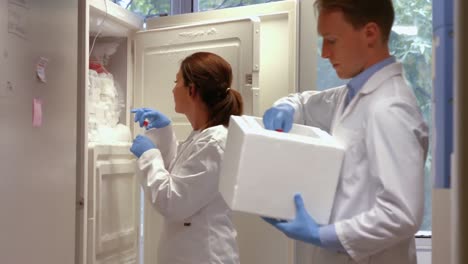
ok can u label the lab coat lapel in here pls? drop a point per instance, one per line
(371, 85)
(182, 149)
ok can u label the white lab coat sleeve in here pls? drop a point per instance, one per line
(165, 140)
(315, 108)
(179, 196)
(396, 143)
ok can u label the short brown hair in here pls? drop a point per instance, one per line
(211, 76)
(361, 12)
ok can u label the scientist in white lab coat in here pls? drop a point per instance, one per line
(182, 179)
(379, 202)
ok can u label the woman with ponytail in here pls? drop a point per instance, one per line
(181, 179)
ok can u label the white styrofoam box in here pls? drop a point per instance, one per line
(263, 169)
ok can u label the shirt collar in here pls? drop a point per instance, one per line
(356, 83)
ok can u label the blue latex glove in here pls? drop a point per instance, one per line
(279, 117)
(140, 145)
(155, 118)
(302, 228)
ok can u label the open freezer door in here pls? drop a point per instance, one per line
(108, 188)
(158, 54)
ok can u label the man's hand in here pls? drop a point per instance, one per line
(303, 227)
(279, 117)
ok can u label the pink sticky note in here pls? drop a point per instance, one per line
(37, 112)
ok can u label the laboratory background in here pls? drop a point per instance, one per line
(71, 70)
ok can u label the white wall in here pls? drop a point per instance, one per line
(38, 165)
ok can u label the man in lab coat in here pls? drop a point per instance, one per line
(379, 201)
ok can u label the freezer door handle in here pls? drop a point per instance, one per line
(256, 101)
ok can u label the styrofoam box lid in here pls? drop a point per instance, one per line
(263, 169)
(301, 133)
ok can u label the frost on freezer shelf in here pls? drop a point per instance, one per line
(104, 110)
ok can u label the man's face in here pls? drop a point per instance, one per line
(344, 46)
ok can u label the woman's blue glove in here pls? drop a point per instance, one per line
(140, 145)
(279, 117)
(302, 228)
(155, 118)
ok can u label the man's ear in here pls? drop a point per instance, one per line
(372, 33)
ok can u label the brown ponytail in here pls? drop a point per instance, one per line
(232, 104)
(211, 76)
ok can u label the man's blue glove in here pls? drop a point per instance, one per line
(140, 145)
(279, 117)
(302, 228)
(155, 118)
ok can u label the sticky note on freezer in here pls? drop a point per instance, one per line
(263, 169)
(37, 113)
(41, 69)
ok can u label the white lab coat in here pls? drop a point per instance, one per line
(182, 182)
(379, 201)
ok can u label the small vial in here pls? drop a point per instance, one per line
(145, 123)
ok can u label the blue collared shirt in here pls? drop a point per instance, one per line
(328, 236)
(356, 83)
